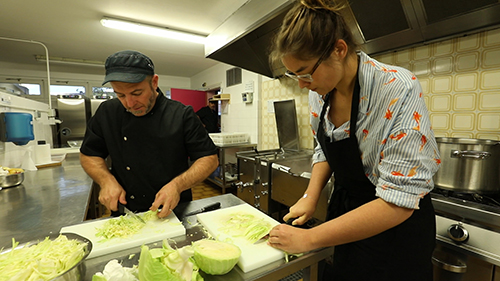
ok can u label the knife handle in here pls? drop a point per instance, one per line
(211, 207)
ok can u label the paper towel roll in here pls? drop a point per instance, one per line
(42, 154)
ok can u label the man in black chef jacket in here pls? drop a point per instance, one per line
(149, 138)
(209, 116)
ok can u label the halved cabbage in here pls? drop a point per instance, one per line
(215, 257)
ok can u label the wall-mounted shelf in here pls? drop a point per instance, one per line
(222, 97)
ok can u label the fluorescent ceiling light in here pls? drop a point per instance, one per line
(153, 30)
(69, 61)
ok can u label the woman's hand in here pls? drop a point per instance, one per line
(303, 210)
(290, 239)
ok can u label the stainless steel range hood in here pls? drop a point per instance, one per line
(243, 40)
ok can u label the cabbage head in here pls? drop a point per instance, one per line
(215, 257)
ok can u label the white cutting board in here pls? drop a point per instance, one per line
(252, 255)
(153, 231)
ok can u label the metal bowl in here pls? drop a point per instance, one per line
(77, 272)
(11, 180)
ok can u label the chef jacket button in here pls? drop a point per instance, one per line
(132, 197)
(125, 138)
(128, 168)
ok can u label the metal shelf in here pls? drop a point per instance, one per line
(222, 150)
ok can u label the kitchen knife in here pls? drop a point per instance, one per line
(132, 214)
(207, 208)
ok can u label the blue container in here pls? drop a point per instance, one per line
(16, 127)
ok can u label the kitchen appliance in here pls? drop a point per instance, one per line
(253, 256)
(468, 236)
(290, 181)
(469, 165)
(96, 102)
(153, 231)
(255, 172)
(466, 199)
(74, 113)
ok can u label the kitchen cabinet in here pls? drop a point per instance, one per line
(227, 164)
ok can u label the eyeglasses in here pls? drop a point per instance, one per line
(308, 77)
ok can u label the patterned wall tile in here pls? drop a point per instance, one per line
(443, 48)
(489, 122)
(464, 102)
(441, 103)
(466, 82)
(442, 84)
(440, 121)
(491, 58)
(489, 101)
(467, 62)
(422, 52)
(490, 80)
(442, 65)
(467, 43)
(403, 56)
(463, 121)
(421, 68)
(491, 38)
(462, 135)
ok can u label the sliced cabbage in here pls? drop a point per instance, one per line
(124, 226)
(246, 225)
(43, 261)
(215, 257)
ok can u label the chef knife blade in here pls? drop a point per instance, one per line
(207, 208)
(132, 214)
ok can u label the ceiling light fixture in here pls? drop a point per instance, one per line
(70, 61)
(153, 30)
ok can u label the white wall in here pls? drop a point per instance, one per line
(236, 116)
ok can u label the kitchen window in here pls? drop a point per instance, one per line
(103, 93)
(67, 90)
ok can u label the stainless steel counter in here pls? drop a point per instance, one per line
(194, 231)
(47, 200)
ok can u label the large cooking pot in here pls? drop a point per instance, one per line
(469, 165)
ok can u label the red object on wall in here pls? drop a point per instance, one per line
(196, 99)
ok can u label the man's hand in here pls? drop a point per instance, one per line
(167, 198)
(110, 195)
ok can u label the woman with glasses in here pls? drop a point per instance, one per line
(374, 135)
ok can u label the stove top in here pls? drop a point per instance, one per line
(476, 209)
(475, 199)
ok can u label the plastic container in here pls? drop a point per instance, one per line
(16, 127)
(229, 138)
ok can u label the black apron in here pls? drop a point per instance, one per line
(400, 253)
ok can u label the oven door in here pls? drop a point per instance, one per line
(451, 265)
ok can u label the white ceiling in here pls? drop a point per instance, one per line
(72, 29)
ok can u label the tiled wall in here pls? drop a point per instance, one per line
(460, 78)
